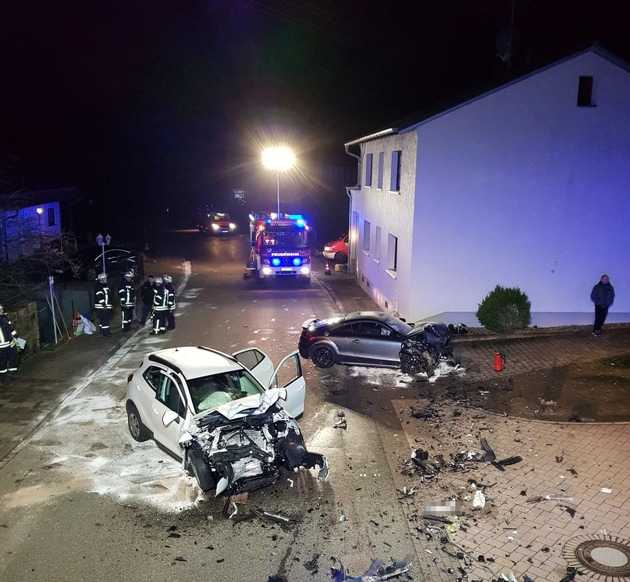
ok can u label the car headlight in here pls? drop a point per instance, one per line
(267, 271)
(305, 270)
(232, 226)
(215, 226)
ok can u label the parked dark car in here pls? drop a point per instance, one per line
(88, 263)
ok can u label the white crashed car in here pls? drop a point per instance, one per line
(229, 419)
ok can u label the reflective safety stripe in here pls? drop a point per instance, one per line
(12, 369)
(5, 344)
(3, 371)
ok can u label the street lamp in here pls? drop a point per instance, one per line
(279, 158)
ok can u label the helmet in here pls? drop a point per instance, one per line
(158, 281)
(168, 279)
(129, 275)
(102, 278)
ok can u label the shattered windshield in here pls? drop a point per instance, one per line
(399, 326)
(209, 392)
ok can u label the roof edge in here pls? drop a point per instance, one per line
(376, 135)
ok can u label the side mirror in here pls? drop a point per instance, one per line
(170, 417)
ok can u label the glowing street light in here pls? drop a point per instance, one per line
(279, 158)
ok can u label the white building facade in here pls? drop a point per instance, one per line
(527, 185)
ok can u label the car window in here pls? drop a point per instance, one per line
(369, 329)
(288, 372)
(168, 395)
(400, 326)
(345, 330)
(211, 391)
(153, 377)
(250, 358)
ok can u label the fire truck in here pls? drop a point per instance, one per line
(279, 247)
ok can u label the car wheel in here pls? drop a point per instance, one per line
(323, 356)
(340, 258)
(138, 431)
(200, 470)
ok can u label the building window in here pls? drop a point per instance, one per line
(585, 92)
(395, 174)
(392, 253)
(51, 216)
(366, 236)
(377, 244)
(368, 169)
(381, 164)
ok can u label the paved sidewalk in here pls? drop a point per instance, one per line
(578, 461)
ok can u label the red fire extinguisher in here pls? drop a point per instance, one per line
(499, 362)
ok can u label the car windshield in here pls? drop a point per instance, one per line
(399, 326)
(219, 216)
(209, 392)
(285, 237)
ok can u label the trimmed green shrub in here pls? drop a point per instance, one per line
(505, 309)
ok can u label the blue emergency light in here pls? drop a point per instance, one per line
(275, 262)
(297, 261)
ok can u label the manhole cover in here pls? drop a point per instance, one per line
(606, 556)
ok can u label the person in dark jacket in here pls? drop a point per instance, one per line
(103, 304)
(147, 291)
(603, 296)
(127, 296)
(8, 349)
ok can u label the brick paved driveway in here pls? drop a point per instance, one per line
(573, 460)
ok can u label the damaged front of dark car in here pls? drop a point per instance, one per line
(245, 445)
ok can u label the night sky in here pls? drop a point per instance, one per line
(151, 104)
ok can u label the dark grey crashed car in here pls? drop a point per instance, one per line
(374, 338)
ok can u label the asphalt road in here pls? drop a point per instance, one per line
(82, 501)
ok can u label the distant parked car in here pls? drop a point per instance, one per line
(337, 250)
(88, 263)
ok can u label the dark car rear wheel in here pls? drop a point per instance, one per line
(138, 431)
(323, 356)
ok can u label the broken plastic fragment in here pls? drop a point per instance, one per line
(479, 500)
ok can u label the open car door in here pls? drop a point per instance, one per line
(288, 375)
(258, 363)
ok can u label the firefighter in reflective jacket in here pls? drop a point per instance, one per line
(160, 306)
(103, 304)
(127, 296)
(8, 349)
(170, 315)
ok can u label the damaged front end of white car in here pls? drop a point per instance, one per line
(243, 446)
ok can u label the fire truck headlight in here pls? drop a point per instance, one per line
(215, 226)
(232, 226)
(267, 271)
(305, 270)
